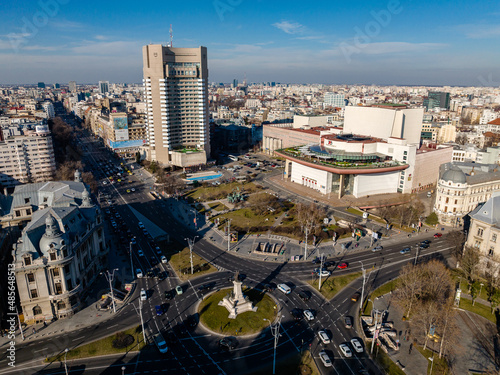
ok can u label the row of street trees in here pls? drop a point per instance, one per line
(406, 213)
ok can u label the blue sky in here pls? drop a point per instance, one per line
(380, 42)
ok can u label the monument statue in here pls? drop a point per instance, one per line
(236, 302)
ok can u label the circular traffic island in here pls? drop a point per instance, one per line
(216, 318)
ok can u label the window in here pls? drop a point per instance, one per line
(493, 238)
(55, 272)
(18, 213)
(26, 200)
(31, 277)
(53, 256)
(58, 288)
(447, 200)
(491, 252)
(61, 305)
(37, 310)
(480, 232)
(456, 201)
(27, 261)
(34, 294)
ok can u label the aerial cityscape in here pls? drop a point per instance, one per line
(235, 187)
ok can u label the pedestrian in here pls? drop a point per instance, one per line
(34, 330)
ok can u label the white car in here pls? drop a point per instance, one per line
(164, 259)
(357, 345)
(140, 253)
(309, 315)
(138, 272)
(345, 349)
(144, 296)
(323, 336)
(323, 272)
(327, 362)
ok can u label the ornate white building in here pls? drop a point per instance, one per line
(462, 187)
(60, 253)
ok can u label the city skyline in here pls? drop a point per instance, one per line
(388, 43)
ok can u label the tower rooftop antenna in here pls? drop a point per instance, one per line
(171, 36)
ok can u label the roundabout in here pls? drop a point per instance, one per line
(215, 318)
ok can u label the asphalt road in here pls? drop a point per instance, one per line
(192, 350)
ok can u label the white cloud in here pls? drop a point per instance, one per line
(384, 48)
(116, 48)
(483, 31)
(290, 27)
(101, 37)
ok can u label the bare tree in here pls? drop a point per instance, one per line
(469, 263)
(408, 288)
(449, 324)
(457, 240)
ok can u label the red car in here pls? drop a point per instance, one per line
(342, 265)
(437, 235)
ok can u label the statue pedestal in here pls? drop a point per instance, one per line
(236, 303)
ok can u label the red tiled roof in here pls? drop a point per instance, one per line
(495, 122)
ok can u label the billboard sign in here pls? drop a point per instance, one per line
(120, 122)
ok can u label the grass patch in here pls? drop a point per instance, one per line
(289, 363)
(216, 318)
(217, 206)
(478, 308)
(179, 259)
(332, 285)
(102, 347)
(211, 193)
(382, 290)
(440, 365)
(245, 218)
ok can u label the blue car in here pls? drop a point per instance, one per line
(159, 310)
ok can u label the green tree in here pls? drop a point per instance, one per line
(432, 219)
(474, 287)
(138, 157)
(494, 300)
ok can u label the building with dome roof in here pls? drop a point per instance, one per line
(60, 253)
(462, 187)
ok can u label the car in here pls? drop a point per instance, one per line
(327, 362)
(297, 314)
(141, 225)
(305, 295)
(179, 290)
(158, 250)
(160, 343)
(437, 235)
(322, 272)
(169, 294)
(345, 350)
(323, 336)
(348, 321)
(308, 315)
(133, 189)
(342, 266)
(268, 287)
(206, 286)
(140, 253)
(377, 248)
(128, 190)
(228, 343)
(150, 273)
(138, 272)
(406, 250)
(164, 259)
(144, 295)
(426, 241)
(145, 232)
(162, 275)
(424, 245)
(191, 321)
(159, 310)
(356, 344)
(355, 297)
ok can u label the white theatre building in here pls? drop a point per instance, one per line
(376, 153)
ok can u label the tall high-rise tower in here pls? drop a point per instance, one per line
(176, 90)
(103, 87)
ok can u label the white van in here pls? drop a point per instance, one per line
(284, 288)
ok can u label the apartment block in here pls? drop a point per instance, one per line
(26, 155)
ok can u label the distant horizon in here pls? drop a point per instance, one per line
(65, 84)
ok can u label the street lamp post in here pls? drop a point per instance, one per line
(416, 255)
(320, 270)
(305, 243)
(109, 277)
(228, 234)
(65, 365)
(275, 330)
(123, 370)
(363, 287)
(191, 245)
